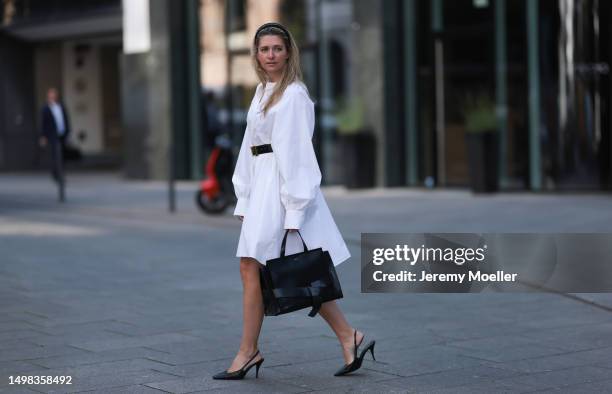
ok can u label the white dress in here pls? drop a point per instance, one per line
(280, 190)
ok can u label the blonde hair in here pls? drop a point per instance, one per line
(292, 71)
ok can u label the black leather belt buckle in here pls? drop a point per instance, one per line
(260, 149)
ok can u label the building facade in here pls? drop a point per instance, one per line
(545, 66)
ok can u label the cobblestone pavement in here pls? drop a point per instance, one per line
(124, 297)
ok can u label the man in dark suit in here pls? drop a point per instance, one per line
(55, 131)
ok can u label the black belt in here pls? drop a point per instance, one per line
(259, 149)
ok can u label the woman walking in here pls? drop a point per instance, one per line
(277, 182)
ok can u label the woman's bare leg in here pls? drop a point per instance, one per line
(343, 330)
(252, 312)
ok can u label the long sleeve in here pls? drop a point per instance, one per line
(292, 145)
(46, 127)
(242, 174)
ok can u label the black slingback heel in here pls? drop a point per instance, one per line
(356, 364)
(239, 374)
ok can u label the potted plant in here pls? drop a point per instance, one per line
(482, 142)
(357, 144)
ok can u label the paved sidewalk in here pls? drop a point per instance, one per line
(124, 297)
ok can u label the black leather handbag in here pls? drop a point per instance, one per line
(301, 280)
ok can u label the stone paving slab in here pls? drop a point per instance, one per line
(14, 367)
(131, 389)
(36, 352)
(18, 390)
(94, 358)
(493, 386)
(96, 382)
(451, 378)
(564, 377)
(549, 363)
(190, 385)
(604, 386)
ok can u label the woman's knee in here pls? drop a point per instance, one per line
(249, 268)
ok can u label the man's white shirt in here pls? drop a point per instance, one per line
(58, 115)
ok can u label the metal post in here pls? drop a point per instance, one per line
(410, 89)
(173, 124)
(533, 62)
(501, 87)
(437, 23)
(193, 58)
(59, 168)
(171, 176)
(325, 98)
(229, 99)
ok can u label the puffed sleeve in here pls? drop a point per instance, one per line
(292, 146)
(242, 173)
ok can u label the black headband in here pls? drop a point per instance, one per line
(273, 24)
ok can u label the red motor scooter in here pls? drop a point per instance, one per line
(216, 191)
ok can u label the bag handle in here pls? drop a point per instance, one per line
(285, 242)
